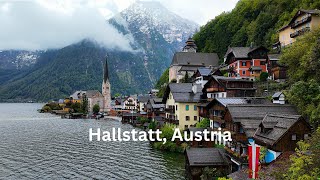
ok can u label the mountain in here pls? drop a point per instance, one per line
(158, 33)
(155, 33)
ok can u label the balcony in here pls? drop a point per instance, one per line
(170, 110)
(302, 21)
(172, 121)
(299, 32)
(236, 156)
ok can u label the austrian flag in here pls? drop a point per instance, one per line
(254, 153)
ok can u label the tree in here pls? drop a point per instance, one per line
(84, 104)
(117, 95)
(305, 163)
(264, 76)
(96, 108)
(76, 107)
(204, 123)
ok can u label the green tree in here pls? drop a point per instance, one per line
(264, 76)
(204, 123)
(84, 104)
(76, 107)
(305, 163)
(96, 108)
(117, 95)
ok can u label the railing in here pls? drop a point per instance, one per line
(236, 156)
(170, 110)
(299, 32)
(304, 20)
(172, 121)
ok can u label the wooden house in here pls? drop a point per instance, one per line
(222, 87)
(199, 158)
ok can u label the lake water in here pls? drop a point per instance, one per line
(44, 146)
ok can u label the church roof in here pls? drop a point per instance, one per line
(106, 71)
(198, 59)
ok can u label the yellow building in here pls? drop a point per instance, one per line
(302, 22)
(181, 104)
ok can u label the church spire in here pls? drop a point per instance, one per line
(105, 71)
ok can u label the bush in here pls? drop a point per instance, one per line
(264, 76)
(96, 108)
(204, 123)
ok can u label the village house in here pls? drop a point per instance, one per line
(188, 61)
(277, 71)
(216, 108)
(130, 103)
(181, 101)
(278, 98)
(199, 158)
(247, 62)
(203, 74)
(142, 102)
(155, 108)
(280, 133)
(243, 120)
(303, 21)
(220, 86)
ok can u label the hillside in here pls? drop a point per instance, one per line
(155, 33)
(254, 21)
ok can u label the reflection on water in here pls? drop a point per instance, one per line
(42, 146)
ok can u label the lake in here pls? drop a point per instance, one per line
(43, 146)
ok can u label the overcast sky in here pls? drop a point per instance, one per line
(44, 24)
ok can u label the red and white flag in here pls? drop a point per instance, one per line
(254, 153)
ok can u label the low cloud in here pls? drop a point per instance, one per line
(34, 25)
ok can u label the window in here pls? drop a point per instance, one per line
(187, 118)
(185, 126)
(176, 107)
(244, 63)
(195, 118)
(262, 63)
(251, 63)
(243, 72)
(294, 137)
(195, 107)
(187, 107)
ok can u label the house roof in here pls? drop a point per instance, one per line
(77, 94)
(277, 94)
(226, 101)
(91, 93)
(251, 115)
(182, 92)
(241, 52)
(207, 157)
(189, 68)
(191, 58)
(278, 125)
(274, 57)
(143, 98)
(299, 12)
(205, 71)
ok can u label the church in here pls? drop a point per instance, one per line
(94, 96)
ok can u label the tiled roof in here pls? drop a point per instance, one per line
(189, 68)
(190, 58)
(277, 94)
(91, 93)
(182, 92)
(207, 157)
(278, 125)
(226, 101)
(205, 71)
(143, 98)
(251, 115)
(76, 94)
(239, 52)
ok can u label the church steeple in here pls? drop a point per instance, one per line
(106, 71)
(106, 88)
(190, 46)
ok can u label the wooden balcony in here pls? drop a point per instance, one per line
(299, 32)
(170, 110)
(302, 21)
(236, 156)
(214, 89)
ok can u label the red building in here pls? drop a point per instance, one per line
(247, 62)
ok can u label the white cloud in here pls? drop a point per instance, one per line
(46, 24)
